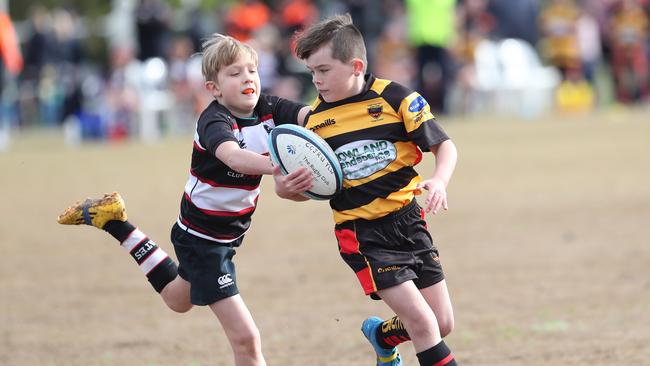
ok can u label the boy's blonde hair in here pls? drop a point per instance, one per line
(220, 51)
(346, 40)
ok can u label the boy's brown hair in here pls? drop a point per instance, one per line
(220, 51)
(346, 40)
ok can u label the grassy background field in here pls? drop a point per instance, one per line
(546, 248)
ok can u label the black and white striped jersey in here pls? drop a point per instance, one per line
(217, 202)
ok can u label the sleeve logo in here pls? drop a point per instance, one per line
(417, 104)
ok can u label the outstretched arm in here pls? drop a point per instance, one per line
(446, 156)
(242, 160)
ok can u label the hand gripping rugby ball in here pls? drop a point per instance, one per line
(292, 146)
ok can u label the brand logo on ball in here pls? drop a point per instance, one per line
(224, 280)
(291, 149)
(360, 159)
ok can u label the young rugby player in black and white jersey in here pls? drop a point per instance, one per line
(229, 157)
(378, 129)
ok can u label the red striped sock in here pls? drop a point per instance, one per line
(438, 355)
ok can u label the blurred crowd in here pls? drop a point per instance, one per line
(464, 56)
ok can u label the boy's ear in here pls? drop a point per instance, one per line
(213, 88)
(358, 66)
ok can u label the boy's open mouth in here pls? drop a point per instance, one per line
(248, 91)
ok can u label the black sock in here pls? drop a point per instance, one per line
(391, 333)
(152, 260)
(120, 230)
(438, 355)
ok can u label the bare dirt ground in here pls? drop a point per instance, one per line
(546, 248)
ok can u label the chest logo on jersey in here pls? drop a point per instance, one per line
(242, 143)
(360, 159)
(327, 122)
(375, 111)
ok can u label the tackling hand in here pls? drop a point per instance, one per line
(291, 185)
(436, 194)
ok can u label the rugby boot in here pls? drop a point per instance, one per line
(385, 357)
(95, 212)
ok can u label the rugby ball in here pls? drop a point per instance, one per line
(292, 147)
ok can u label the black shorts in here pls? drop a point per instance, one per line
(206, 265)
(390, 250)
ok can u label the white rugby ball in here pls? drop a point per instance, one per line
(292, 147)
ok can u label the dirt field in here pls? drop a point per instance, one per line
(546, 248)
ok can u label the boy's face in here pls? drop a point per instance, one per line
(334, 80)
(237, 87)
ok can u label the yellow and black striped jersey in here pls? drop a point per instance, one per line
(378, 136)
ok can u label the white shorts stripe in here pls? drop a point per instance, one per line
(154, 259)
(200, 235)
(133, 239)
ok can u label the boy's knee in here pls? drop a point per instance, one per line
(248, 342)
(179, 306)
(421, 327)
(180, 309)
(446, 326)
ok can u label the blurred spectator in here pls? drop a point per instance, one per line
(558, 22)
(589, 44)
(69, 56)
(38, 53)
(628, 39)
(475, 24)
(182, 109)
(288, 87)
(567, 42)
(120, 26)
(152, 24)
(245, 17)
(122, 93)
(516, 19)
(39, 41)
(431, 29)
(197, 28)
(295, 15)
(394, 58)
(369, 17)
(50, 89)
(266, 41)
(646, 8)
(11, 64)
(11, 59)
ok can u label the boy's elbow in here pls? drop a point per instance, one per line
(449, 144)
(446, 145)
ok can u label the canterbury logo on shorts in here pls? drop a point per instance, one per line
(225, 281)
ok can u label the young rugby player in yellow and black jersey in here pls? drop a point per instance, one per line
(378, 129)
